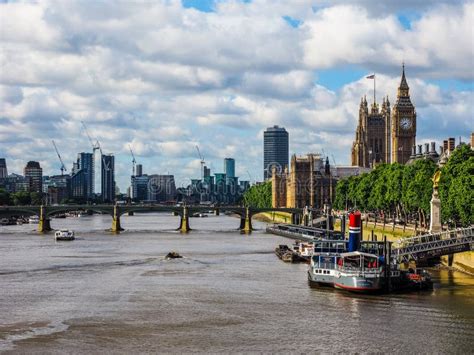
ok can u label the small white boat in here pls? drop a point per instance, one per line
(64, 234)
(33, 220)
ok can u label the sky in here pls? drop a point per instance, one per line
(165, 76)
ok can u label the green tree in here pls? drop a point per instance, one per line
(259, 196)
(36, 198)
(456, 187)
(21, 198)
(5, 198)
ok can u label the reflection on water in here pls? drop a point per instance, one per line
(229, 294)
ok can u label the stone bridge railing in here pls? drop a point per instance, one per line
(116, 211)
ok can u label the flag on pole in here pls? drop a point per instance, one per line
(370, 76)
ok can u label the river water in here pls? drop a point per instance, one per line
(116, 293)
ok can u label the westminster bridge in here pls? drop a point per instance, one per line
(115, 211)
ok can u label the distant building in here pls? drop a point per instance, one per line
(108, 178)
(3, 168)
(308, 183)
(426, 153)
(161, 188)
(34, 176)
(341, 172)
(275, 150)
(82, 177)
(139, 188)
(58, 189)
(139, 171)
(14, 183)
(229, 167)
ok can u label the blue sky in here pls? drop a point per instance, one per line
(168, 75)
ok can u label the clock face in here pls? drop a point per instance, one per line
(405, 123)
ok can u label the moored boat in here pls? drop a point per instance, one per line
(284, 253)
(64, 235)
(33, 220)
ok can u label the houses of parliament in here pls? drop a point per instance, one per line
(385, 135)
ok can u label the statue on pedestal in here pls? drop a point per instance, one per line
(435, 215)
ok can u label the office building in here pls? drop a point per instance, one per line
(275, 150)
(34, 176)
(229, 167)
(14, 183)
(139, 188)
(3, 168)
(82, 177)
(139, 170)
(161, 188)
(58, 189)
(108, 178)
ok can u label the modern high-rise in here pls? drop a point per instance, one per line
(139, 171)
(34, 175)
(275, 150)
(82, 177)
(229, 167)
(3, 168)
(108, 178)
(161, 188)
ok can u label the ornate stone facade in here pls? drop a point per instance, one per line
(309, 183)
(372, 142)
(385, 136)
(403, 124)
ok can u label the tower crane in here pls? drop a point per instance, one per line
(95, 146)
(63, 167)
(202, 162)
(133, 159)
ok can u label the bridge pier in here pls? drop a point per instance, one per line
(44, 224)
(184, 223)
(246, 222)
(116, 227)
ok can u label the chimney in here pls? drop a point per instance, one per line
(427, 148)
(413, 150)
(445, 145)
(433, 147)
(451, 144)
(441, 150)
(420, 149)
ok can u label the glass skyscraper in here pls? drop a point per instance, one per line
(108, 178)
(275, 150)
(229, 167)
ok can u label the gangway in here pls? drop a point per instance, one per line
(434, 245)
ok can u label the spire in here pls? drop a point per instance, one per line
(403, 83)
(403, 89)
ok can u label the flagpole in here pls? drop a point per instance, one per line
(374, 88)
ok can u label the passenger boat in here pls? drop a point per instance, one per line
(303, 251)
(64, 235)
(33, 220)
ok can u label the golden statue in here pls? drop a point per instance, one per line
(435, 179)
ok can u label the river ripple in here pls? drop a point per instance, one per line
(229, 294)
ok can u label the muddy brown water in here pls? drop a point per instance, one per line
(229, 294)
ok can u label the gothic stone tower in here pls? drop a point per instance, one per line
(372, 141)
(403, 124)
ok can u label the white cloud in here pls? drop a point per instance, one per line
(165, 79)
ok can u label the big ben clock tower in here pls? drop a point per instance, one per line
(403, 124)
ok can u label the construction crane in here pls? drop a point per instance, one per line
(202, 162)
(133, 159)
(63, 167)
(95, 146)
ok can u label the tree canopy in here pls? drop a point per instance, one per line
(406, 190)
